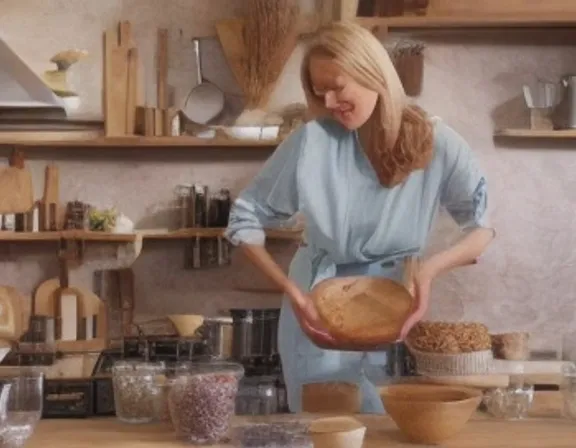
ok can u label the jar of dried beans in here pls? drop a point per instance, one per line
(136, 390)
(202, 401)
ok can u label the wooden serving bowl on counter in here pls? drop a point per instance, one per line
(429, 414)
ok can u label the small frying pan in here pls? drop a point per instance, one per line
(205, 101)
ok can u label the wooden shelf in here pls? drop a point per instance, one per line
(80, 140)
(92, 345)
(537, 133)
(477, 21)
(8, 236)
(277, 234)
(66, 235)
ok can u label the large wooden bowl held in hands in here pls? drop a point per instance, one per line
(429, 414)
(363, 311)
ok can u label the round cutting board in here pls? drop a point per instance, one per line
(363, 311)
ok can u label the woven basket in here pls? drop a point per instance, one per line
(432, 364)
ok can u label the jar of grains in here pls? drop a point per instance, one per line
(136, 390)
(202, 400)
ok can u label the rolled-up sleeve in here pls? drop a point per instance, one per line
(464, 193)
(272, 197)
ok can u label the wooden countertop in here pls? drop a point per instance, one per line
(478, 433)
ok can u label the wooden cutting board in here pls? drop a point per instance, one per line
(16, 189)
(533, 372)
(10, 314)
(46, 294)
(22, 305)
(476, 381)
(231, 35)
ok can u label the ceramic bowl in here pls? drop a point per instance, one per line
(337, 432)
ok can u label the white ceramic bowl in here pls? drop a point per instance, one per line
(270, 132)
(252, 132)
(337, 432)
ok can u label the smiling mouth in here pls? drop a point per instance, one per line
(346, 113)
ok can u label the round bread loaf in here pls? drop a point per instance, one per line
(363, 311)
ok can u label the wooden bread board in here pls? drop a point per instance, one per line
(534, 372)
(16, 188)
(488, 381)
(45, 297)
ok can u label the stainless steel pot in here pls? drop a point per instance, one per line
(217, 333)
(254, 333)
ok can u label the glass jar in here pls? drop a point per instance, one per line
(510, 403)
(135, 390)
(161, 408)
(568, 391)
(202, 400)
(257, 396)
(288, 434)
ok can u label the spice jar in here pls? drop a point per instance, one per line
(135, 390)
(202, 400)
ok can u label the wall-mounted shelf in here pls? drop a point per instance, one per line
(80, 235)
(536, 133)
(276, 234)
(7, 236)
(555, 20)
(90, 139)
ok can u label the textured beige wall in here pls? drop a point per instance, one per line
(524, 282)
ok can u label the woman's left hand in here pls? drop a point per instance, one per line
(420, 289)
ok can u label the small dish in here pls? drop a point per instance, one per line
(337, 432)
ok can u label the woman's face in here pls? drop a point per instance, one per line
(349, 103)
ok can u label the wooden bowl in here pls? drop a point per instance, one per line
(186, 324)
(331, 397)
(337, 432)
(363, 311)
(429, 414)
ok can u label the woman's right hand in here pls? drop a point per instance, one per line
(310, 321)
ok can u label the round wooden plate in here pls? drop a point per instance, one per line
(363, 311)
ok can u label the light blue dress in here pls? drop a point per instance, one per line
(354, 226)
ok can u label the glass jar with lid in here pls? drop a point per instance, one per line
(135, 390)
(202, 400)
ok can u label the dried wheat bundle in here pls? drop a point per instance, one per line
(270, 35)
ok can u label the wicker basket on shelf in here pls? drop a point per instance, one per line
(441, 348)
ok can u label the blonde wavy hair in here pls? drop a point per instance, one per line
(399, 135)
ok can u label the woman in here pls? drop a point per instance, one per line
(368, 177)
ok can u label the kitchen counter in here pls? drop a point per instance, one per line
(478, 433)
